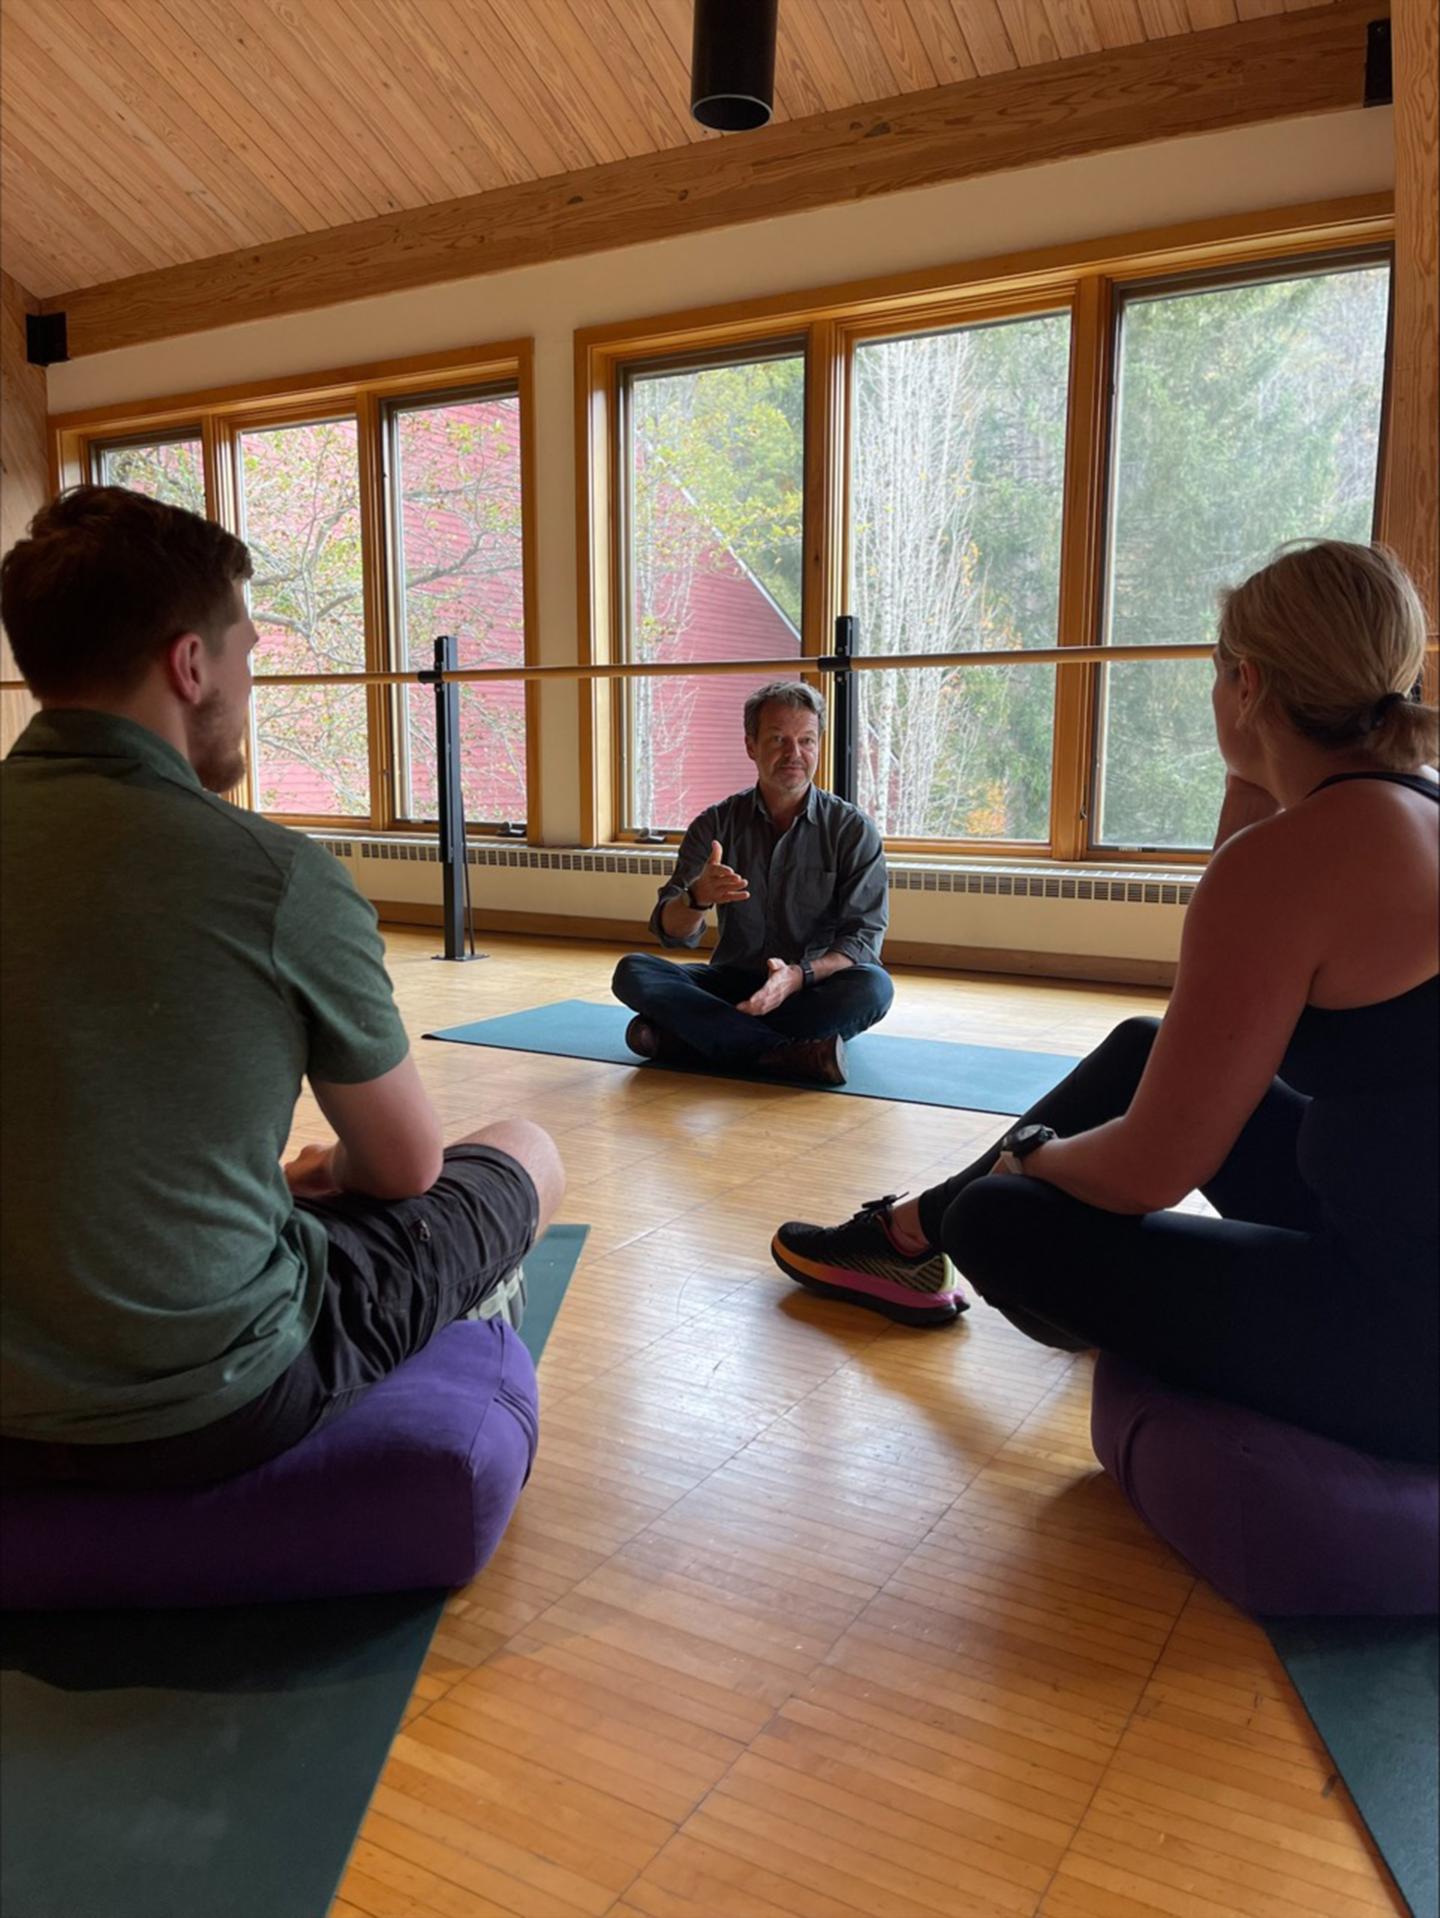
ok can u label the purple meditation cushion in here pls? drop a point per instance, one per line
(1281, 1522)
(411, 1487)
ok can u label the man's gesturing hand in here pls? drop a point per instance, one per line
(717, 884)
(783, 982)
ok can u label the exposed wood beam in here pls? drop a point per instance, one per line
(1277, 67)
(1410, 519)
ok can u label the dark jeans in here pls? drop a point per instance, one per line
(1262, 1306)
(694, 1007)
(398, 1273)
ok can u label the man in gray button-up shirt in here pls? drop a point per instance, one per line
(798, 879)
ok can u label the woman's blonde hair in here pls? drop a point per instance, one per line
(1337, 635)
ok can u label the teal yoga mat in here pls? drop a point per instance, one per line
(926, 1072)
(1370, 1686)
(210, 1764)
(548, 1272)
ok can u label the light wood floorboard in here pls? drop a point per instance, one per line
(804, 1615)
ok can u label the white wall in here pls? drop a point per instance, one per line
(1288, 163)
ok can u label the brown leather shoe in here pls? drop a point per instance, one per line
(818, 1061)
(643, 1038)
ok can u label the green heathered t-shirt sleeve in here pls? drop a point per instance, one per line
(331, 964)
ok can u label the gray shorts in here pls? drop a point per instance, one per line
(398, 1272)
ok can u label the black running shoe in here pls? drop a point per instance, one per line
(858, 1262)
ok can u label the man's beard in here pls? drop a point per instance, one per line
(215, 746)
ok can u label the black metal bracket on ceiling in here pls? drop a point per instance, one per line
(45, 342)
(1379, 74)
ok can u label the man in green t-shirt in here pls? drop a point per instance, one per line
(177, 1306)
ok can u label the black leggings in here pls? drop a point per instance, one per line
(1261, 1306)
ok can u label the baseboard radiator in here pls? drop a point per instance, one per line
(1119, 886)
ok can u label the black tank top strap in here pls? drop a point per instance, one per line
(1417, 782)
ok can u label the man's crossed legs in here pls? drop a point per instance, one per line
(688, 1015)
(397, 1272)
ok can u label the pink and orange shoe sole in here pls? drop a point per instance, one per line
(902, 1303)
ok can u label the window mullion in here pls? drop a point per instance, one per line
(612, 699)
(530, 590)
(1081, 559)
(374, 577)
(826, 510)
(217, 442)
(217, 452)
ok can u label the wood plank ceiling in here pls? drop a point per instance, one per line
(142, 134)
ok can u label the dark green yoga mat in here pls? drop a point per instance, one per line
(210, 1764)
(1372, 1688)
(925, 1072)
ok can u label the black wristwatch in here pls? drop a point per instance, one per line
(1021, 1140)
(807, 975)
(692, 902)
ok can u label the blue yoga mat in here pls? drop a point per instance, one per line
(213, 1763)
(923, 1072)
(1370, 1686)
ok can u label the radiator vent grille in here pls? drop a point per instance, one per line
(1129, 888)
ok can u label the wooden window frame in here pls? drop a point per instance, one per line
(388, 405)
(787, 346)
(1089, 280)
(985, 309)
(1123, 290)
(188, 432)
(219, 415)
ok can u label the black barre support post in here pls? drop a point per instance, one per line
(451, 797)
(843, 713)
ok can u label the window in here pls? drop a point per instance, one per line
(1059, 464)
(300, 516)
(381, 510)
(1245, 416)
(715, 470)
(957, 463)
(456, 495)
(172, 470)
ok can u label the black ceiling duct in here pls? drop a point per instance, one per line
(732, 67)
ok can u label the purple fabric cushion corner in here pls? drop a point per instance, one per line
(1283, 1523)
(410, 1488)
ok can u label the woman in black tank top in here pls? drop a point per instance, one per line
(1293, 1079)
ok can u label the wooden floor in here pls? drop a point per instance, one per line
(806, 1614)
